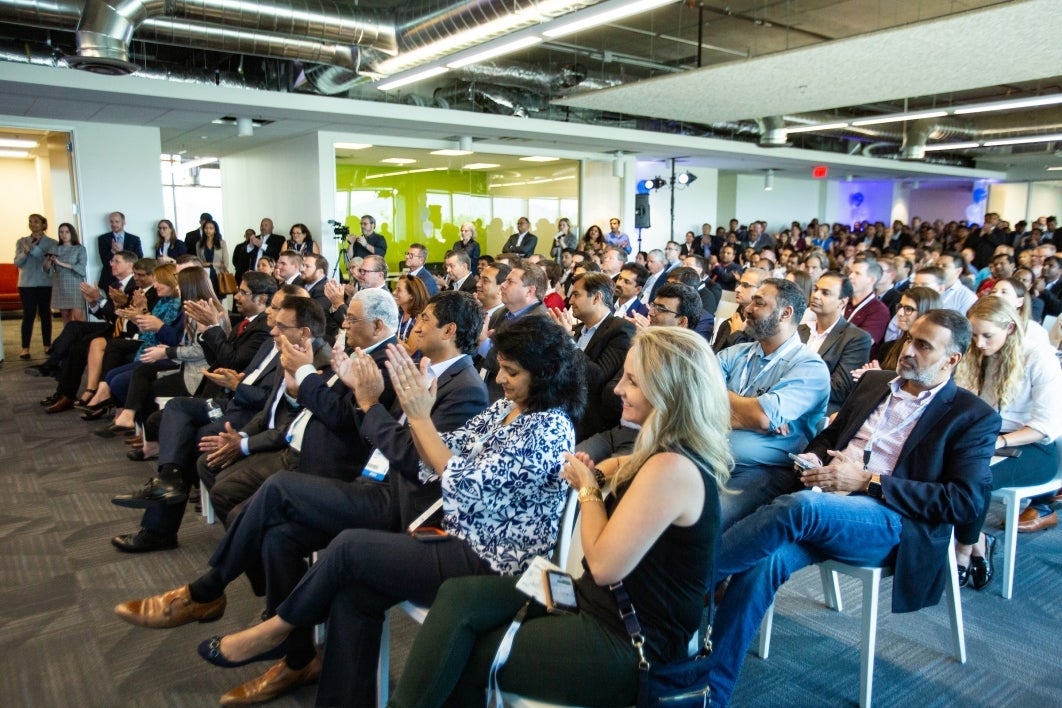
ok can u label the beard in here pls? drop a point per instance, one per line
(909, 371)
(761, 329)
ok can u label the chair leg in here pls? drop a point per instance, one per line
(383, 667)
(1010, 543)
(958, 636)
(831, 588)
(870, 637)
(204, 500)
(764, 647)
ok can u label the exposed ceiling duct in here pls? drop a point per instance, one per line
(772, 132)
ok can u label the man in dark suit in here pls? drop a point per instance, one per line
(523, 241)
(191, 239)
(603, 340)
(915, 451)
(112, 242)
(294, 514)
(416, 256)
(459, 272)
(843, 346)
(314, 278)
(521, 293)
(629, 286)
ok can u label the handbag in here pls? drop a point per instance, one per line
(227, 283)
(680, 684)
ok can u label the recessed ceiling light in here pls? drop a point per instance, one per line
(480, 165)
(1054, 169)
(451, 153)
(352, 146)
(17, 143)
(398, 160)
(14, 153)
(539, 158)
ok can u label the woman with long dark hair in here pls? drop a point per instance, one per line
(168, 248)
(213, 253)
(67, 268)
(301, 240)
(411, 296)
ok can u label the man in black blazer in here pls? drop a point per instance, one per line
(459, 272)
(416, 257)
(294, 514)
(913, 452)
(523, 241)
(266, 243)
(112, 242)
(603, 340)
(843, 346)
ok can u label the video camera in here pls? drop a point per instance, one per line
(341, 231)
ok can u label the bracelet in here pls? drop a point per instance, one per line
(589, 494)
(1005, 443)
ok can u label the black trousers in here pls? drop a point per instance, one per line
(36, 302)
(145, 385)
(356, 579)
(73, 333)
(288, 518)
(119, 351)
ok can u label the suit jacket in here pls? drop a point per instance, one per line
(243, 261)
(103, 245)
(526, 248)
(604, 355)
(637, 307)
(490, 361)
(332, 443)
(234, 351)
(177, 249)
(191, 239)
(332, 325)
(254, 396)
(711, 293)
(940, 479)
(469, 286)
(429, 281)
(1052, 299)
(845, 348)
(460, 395)
(107, 311)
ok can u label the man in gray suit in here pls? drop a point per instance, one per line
(842, 345)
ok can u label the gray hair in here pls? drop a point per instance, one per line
(379, 304)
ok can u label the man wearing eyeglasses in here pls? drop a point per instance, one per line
(523, 241)
(372, 273)
(415, 259)
(368, 242)
(731, 331)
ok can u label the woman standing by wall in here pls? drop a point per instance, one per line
(67, 267)
(168, 248)
(34, 283)
(212, 251)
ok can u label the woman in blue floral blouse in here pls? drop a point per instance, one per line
(502, 494)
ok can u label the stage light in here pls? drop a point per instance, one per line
(686, 178)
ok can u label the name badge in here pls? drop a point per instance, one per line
(377, 466)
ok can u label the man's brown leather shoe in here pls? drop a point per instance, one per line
(63, 403)
(170, 609)
(1057, 498)
(1038, 523)
(277, 680)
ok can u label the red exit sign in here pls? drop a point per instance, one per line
(820, 171)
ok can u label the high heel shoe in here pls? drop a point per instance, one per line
(982, 570)
(98, 411)
(84, 402)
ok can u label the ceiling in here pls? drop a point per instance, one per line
(807, 60)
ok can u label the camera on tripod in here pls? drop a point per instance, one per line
(341, 231)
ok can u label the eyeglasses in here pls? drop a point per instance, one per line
(244, 292)
(907, 309)
(658, 308)
(745, 285)
(354, 320)
(362, 271)
(285, 327)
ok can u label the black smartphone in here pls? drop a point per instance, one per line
(560, 592)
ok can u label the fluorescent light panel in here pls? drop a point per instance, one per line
(1054, 137)
(352, 146)
(539, 158)
(1054, 169)
(586, 21)
(17, 143)
(14, 153)
(398, 160)
(881, 120)
(813, 128)
(501, 49)
(951, 146)
(480, 165)
(412, 78)
(1011, 105)
(451, 153)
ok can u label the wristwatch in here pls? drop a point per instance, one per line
(874, 487)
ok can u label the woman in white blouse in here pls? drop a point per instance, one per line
(1023, 381)
(1014, 291)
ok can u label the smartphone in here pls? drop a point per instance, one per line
(429, 534)
(560, 592)
(802, 463)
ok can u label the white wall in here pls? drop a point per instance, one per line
(1045, 199)
(790, 200)
(939, 202)
(282, 181)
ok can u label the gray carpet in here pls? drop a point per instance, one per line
(60, 644)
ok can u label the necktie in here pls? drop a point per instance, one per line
(242, 327)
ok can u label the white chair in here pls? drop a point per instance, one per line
(567, 538)
(204, 503)
(871, 581)
(1011, 498)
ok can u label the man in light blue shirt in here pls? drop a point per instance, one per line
(778, 394)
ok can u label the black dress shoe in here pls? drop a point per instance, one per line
(982, 570)
(156, 491)
(50, 400)
(144, 542)
(964, 575)
(210, 650)
(41, 370)
(137, 455)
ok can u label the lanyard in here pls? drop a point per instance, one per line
(793, 343)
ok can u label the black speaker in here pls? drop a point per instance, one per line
(641, 211)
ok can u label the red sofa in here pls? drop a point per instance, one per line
(9, 299)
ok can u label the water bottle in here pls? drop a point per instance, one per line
(213, 410)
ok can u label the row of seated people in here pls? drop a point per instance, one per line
(765, 413)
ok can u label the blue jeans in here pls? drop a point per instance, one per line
(762, 550)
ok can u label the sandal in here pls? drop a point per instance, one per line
(97, 413)
(82, 403)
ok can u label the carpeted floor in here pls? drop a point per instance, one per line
(61, 645)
